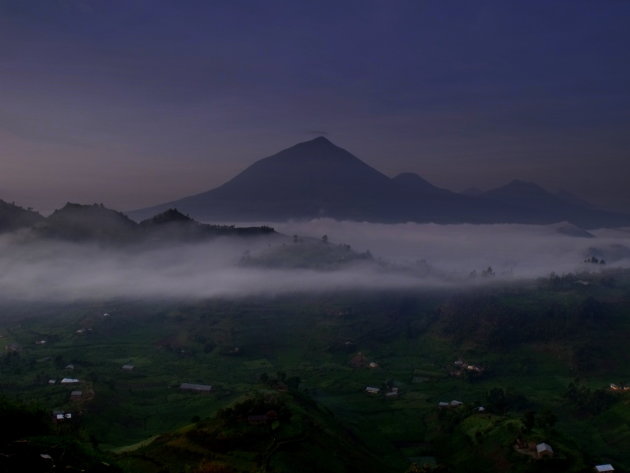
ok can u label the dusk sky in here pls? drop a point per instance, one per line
(137, 102)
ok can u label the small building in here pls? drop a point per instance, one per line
(69, 381)
(544, 450)
(392, 393)
(52, 381)
(604, 468)
(61, 416)
(372, 390)
(373, 365)
(455, 403)
(443, 405)
(76, 395)
(200, 388)
(70, 367)
(128, 367)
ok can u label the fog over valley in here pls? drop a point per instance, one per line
(379, 256)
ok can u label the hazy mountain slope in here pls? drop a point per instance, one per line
(526, 202)
(310, 179)
(98, 224)
(172, 225)
(318, 179)
(13, 217)
(77, 222)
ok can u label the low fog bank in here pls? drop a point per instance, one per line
(522, 251)
(57, 271)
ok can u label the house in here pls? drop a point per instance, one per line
(76, 395)
(372, 390)
(69, 381)
(604, 468)
(200, 388)
(61, 416)
(52, 381)
(544, 450)
(128, 367)
(451, 404)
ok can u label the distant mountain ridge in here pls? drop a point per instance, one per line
(97, 224)
(316, 178)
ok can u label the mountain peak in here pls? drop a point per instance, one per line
(320, 140)
(320, 145)
(168, 216)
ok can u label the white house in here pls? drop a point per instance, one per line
(604, 468)
(69, 381)
(544, 450)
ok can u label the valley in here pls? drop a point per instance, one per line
(529, 355)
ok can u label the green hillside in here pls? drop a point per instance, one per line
(539, 357)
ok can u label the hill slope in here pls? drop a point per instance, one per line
(269, 431)
(13, 217)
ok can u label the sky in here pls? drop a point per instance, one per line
(136, 102)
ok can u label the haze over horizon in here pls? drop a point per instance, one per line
(136, 103)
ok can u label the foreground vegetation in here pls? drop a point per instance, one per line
(529, 363)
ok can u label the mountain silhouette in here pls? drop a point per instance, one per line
(96, 223)
(526, 202)
(311, 179)
(14, 217)
(78, 222)
(316, 178)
